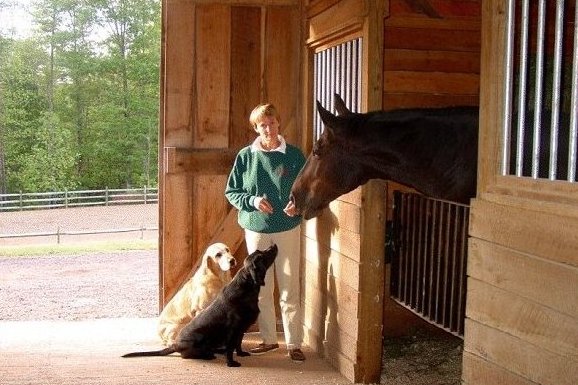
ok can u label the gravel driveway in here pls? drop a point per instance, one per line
(77, 287)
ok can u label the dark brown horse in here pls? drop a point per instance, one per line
(433, 150)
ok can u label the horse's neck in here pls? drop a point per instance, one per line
(413, 158)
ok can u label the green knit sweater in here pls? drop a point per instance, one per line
(264, 173)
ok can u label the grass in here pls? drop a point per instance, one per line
(76, 248)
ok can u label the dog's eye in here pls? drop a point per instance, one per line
(219, 254)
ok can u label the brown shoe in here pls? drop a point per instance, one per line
(296, 355)
(263, 348)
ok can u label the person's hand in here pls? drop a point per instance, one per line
(264, 206)
(290, 209)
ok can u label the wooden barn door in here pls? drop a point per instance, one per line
(522, 302)
(219, 60)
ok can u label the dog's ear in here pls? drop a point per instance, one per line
(257, 275)
(212, 265)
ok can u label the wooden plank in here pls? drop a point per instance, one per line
(348, 213)
(431, 61)
(213, 67)
(477, 371)
(432, 39)
(209, 208)
(330, 353)
(179, 38)
(457, 24)
(419, 100)
(519, 357)
(336, 21)
(548, 283)
(443, 9)
(281, 74)
(431, 82)
(353, 197)
(522, 318)
(198, 162)
(372, 275)
(491, 97)
(324, 230)
(177, 222)
(322, 309)
(333, 263)
(553, 237)
(245, 72)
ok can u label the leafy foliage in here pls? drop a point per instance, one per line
(79, 99)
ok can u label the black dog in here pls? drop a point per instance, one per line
(221, 326)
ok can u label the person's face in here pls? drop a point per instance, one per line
(268, 130)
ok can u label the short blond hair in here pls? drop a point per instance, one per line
(261, 111)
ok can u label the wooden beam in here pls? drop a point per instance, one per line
(200, 162)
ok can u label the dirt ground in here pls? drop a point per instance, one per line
(124, 284)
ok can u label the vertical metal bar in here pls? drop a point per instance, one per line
(462, 273)
(522, 80)
(423, 270)
(509, 62)
(408, 246)
(556, 89)
(439, 261)
(539, 82)
(417, 282)
(355, 81)
(347, 93)
(409, 291)
(337, 73)
(454, 254)
(572, 156)
(399, 233)
(446, 263)
(432, 254)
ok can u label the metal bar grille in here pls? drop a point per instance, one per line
(540, 111)
(337, 70)
(428, 271)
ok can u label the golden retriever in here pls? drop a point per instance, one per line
(198, 292)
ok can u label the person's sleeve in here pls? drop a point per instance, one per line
(235, 192)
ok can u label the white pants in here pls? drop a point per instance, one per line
(286, 269)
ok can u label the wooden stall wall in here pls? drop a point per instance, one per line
(219, 60)
(522, 302)
(431, 53)
(344, 247)
(431, 58)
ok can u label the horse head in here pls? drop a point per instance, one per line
(333, 168)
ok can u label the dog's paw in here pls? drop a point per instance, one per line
(233, 364)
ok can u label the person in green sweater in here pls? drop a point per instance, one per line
(259, 186)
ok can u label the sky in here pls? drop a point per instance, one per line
(15, 19)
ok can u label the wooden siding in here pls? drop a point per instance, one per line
(220, 59)
(522, 317)
(431, 54)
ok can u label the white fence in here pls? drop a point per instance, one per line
(63, 199)
(59, 233)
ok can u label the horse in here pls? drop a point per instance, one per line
(433, 150)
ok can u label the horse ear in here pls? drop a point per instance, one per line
(330, 121)
(340, 106)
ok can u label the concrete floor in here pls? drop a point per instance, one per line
(88, 352)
